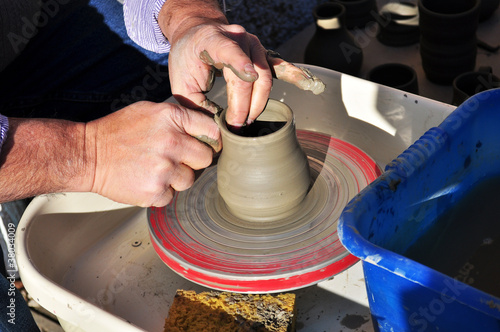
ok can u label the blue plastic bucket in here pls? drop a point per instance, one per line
(399, 208)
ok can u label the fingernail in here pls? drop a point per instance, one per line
(249, 122)
(249, 68)
(307, 73)
(235, 129)
(250, 71)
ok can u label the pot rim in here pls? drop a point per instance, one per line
(476, 6)
(290, 122)
(338, 5)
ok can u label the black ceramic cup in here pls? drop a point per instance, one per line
(358, 12)
(468, 84)
(448, 43)
(332, 45)
(487, 9)
(398, 24)
(395, 75)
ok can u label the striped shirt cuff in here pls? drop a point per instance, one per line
(4, 128)
(141, 21)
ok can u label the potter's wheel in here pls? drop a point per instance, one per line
(196, 236)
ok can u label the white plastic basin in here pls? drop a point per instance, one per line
(90, 261)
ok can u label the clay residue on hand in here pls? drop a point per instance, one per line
(210, 80)
(210, 106)
(303, 78)
(214, 144)
(207, 59)
(311, 82)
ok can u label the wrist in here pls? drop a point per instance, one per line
(73, 166)
(176, 17)
(71, 169)
(89, 157)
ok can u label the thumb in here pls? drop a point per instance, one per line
(197, 124)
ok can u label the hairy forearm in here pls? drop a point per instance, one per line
(44, 156)
(178, 16)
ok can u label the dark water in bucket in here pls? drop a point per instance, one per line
(465, 242)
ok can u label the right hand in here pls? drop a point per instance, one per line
(146, 151)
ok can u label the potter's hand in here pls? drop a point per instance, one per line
(147, 150)
(203, 43)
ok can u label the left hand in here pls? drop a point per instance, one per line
(203, 43)
(195, 58)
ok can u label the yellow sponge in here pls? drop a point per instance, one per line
(231, 312)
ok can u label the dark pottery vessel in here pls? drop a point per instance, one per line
(395, 75)
(487, 9)
(398, 24)
(448, 43)
(468, 84)
(332, 46)
(358, 12)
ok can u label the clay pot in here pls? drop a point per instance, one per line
(487, 9)
(448, 43)
(263, 173)
(395, 75)
(359, 12)
(468, 84)
(332, 46)
(398, 24)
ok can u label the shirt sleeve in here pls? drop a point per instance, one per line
(4, 128)
(141, 21)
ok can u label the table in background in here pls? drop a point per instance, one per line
(376, 53)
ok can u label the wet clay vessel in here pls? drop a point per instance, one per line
(263, 173)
